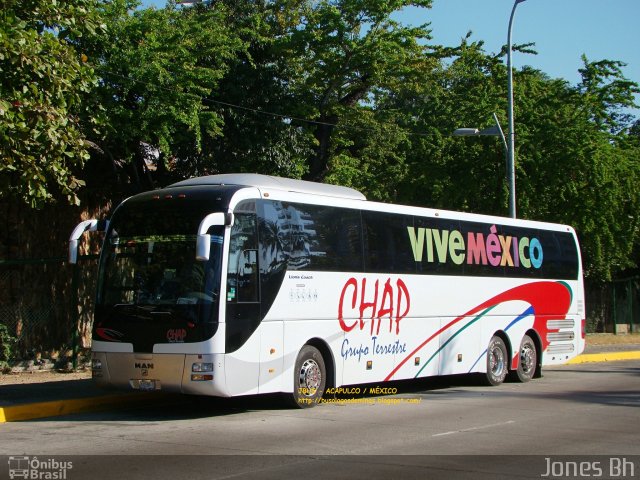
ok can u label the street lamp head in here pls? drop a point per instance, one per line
(466, 132)
(493, 130)
(471, 132)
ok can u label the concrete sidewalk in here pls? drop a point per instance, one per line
(53, 398)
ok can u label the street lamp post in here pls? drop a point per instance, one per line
(511, 161)
(494, 130)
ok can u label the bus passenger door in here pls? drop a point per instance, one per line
(243, 317)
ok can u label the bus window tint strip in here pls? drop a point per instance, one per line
(321, 238)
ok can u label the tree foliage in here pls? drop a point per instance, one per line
(158, 70)
(575, 162)
(260, 132)
(42, 81)
(574, 166)
(342, 54)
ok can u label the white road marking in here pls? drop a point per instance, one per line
(482, 427)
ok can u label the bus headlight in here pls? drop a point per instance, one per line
(202, 367)
(96, 368)
(199, 370)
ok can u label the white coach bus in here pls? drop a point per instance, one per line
(243, 284)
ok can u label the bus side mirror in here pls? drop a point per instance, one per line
(92, 225)
(203, 241)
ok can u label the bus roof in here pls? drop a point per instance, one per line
(277, 183)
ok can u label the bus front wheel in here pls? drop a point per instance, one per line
(310, 376)
(497, 361)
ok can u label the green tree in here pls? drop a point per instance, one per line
(368, 153)
(158, 70)
(254, 99)
(341, 54)
(302, 100)
(574, 164)
(445, 171)
(576, 160)
(42, 81)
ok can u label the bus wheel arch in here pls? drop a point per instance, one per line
(313, 372)
(498, 358)
(329, 361)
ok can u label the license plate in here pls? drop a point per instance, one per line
(147, 385)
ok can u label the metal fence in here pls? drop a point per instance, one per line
(614, 307)
(46, 305)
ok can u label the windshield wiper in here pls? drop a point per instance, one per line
(143, 311)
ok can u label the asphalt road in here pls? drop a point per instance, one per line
(443, 428)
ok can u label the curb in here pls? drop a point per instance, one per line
(32, 411)
(604, 357)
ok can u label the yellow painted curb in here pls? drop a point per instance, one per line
(605, 357)
(55, 408)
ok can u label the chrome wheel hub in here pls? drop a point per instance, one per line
(310, 376)
(496, 361)
(527, 358)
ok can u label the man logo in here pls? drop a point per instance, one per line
(143, 365)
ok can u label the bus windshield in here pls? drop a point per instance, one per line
(160, 271)
(151, 288)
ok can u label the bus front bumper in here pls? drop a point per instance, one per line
(183, 373)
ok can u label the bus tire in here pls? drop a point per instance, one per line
(309, 377)
(497, 361)
(527, 360)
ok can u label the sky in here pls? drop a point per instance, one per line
(562, 31)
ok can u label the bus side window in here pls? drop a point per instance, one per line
(242, 275)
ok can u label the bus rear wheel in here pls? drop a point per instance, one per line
(497, 361)
(310, 376)
(527, 360)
